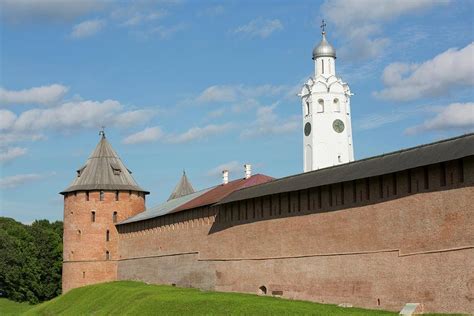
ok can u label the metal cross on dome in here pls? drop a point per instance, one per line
(323, 26)
(102, 132)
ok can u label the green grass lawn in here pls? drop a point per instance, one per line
(8, 307)
(135, 298)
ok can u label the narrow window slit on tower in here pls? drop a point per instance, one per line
(107, 235)
(87, 195)
(107, 255)
(93, 216)
(116, 195)
(114, 217)
(101, 195)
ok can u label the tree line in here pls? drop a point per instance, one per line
(30, 260)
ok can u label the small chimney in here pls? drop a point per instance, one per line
(225, 176)
(248, 171)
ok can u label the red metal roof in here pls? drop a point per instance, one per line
(223, 190)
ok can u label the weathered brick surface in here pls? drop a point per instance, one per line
(85, 243)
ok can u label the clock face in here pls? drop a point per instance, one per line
(307, 129)
(338, 126)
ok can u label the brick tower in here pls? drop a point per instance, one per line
(102, 193)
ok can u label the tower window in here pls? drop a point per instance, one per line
(308, 111)
(107, 255)
(101, 195)
(107, 235)
(93, 216)
(87, 195)
(337, 105)
(116, 195)
(114, 217)
(322, 65)
(320, 106)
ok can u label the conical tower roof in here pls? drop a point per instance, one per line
(103, 171)
(184, 187)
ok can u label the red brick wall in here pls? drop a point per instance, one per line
(381, 251)
(84, 241)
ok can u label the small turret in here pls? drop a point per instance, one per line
(184, 187)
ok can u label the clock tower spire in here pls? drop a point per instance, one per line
(325, 99)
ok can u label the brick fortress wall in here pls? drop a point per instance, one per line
(85, 240)
(377, 242)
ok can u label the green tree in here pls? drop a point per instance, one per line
(30, 260)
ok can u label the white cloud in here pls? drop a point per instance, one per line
(452, 69)
(47, 10)
(132, 118)
(87, 28)
(377, 120)
(149, 134)
(218, 93)
(153, 134)
(454, 116)
(17, 180)
(45, 95)
(268, 123)
(75, 114)
(232, 93)
(12, 153)
(198, 133)
(7, 119)
(234, 167)
(359, 22)
(15, 137)
(262, 28)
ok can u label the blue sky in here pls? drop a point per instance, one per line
(204, 85)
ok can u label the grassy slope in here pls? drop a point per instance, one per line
(136, 298)
(8, 307)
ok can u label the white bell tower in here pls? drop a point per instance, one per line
(325, 99)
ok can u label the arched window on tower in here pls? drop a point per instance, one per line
(114, 217)
(107, 255)
(308, 108)
(116, 195)
(337, 105)
(320, 106)
(87, 195)
(93, 216)
(101, 195)
(107, 235)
